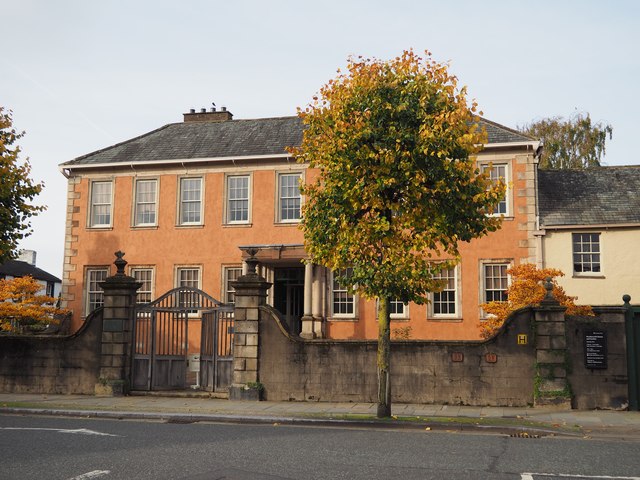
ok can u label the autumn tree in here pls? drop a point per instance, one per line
(17, 190)
(21, 305)
(527, 289)
(575, 142)
(397, 185)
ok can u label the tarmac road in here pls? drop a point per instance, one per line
(37, 447)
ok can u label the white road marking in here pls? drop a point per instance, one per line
(529, 476)
(80, 431)
(93, 474)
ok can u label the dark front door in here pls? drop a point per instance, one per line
(288, 295)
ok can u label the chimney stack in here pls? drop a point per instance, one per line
(28, 256)
(204, 116)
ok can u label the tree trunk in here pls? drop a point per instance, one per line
(384, 359)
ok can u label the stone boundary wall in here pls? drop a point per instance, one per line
(598, 388)
(498, 372)
(52, 364)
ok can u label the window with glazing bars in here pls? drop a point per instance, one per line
(498, 173)
(445, 301)
(101, 204)
(95, 294)
(586, 252)
(397, 309)
(190, 201)
(231, 274)
(342, 300)
(238, 199)
(188, 277)
(496, 282)
(145, 207)
(290, 198)
(144, 276)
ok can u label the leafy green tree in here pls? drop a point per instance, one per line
(396, 187)
(572, 143)
(16, 190)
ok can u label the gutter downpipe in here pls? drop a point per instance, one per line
(539, 233)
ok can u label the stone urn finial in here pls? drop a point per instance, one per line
(120, 263)
(252, 261)
(548, 286)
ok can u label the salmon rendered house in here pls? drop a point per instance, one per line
(187, 201)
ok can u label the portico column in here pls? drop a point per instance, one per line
(318, 301)
(307, 318)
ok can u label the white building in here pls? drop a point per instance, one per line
(590, 229)
(25, 265)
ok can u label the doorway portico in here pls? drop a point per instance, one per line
(299, 288)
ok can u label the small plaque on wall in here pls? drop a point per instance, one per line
(595, 349)
(491, 358)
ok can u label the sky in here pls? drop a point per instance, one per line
(81, 75)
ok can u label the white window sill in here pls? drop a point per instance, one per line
(144, 227)
(507, 218)
(190, 225)
(445, 319)
(291, 223)
(588, 275)
(100, 227)
(237, 224)
(342, 319)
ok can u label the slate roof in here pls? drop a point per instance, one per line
(497, 133)
(16, 268)
(597, 196)
(233, 138)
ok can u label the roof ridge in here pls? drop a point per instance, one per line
(235, 120)
(281, 117)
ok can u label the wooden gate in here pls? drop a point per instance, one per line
(171, 336)
(216, 351)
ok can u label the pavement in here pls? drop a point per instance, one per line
(189, 407)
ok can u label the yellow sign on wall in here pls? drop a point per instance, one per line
(522, 339)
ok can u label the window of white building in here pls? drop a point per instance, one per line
(586, 253)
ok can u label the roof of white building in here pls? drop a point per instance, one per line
(594, 196)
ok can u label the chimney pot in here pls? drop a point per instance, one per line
(203, 110)
(193, 110)
(224, 109)
(213, 109)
